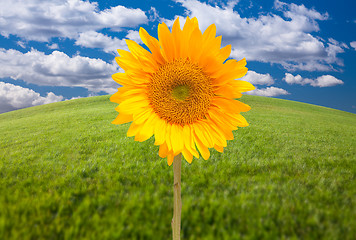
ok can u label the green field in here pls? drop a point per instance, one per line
(66, 172)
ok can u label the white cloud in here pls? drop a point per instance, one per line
(298, 11)
(307, 66)
(21, 44)
(337, 43)
(14, 97)
(290, 79)
(92, 39)
(326, 81)
(322, 81)
(268, 92)
(258, 78)
(285, 40)
(73, 98)
(153, 14)
(58, 69)
(353, 44)
(53, 46)
(78, 97)
(135, 36)
(40, 21)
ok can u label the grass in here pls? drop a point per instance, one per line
(67, 173)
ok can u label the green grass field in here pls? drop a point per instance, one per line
(66, 172)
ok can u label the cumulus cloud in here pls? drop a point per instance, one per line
(58, 69)
(53, 18)
(92, 39)
(290, 79)
(322, 81)
(263, 79)
(14, 97)
(299, 11)
(285, 39)
(135, 36)
(268, 92)
(353, 44)
(258, 78)
(326, 81)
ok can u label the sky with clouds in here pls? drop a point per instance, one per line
(57, 50)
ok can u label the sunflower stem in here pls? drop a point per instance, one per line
(177, 207)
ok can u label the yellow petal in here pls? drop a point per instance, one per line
(204, 151)
(147, 129)
(213, 45)
(160, 132)
(187, 155)
(230, 66)
(241, 86)
(231, 70)
(153, 44)
(127, 63)
(210, 64)
(126, 54)
(141, 117)
(222, 125)
(133, 129)
(210, 32)
(121, 78)
(199, 133)
(170, 158)
(124, 93)
(219, 148)
(210, 132)
(219, 118)
(218, 131)
(228, 76)
(239, 120)
(133, 105)
(168, 136)
(187, 137)
(177, 138)
(227, 133)
(137, 51)
(148, 63)
(188, 140)
(188, 28)
(163, 150)
(138, 77)
(194, 47)
(204, 134)
(116, 97)
(177, 34)
(227, 90)
(122, 118)
(229, 105)
(133, 81)
(166, 42)
(225, 52)
(138, 100)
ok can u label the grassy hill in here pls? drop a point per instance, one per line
(67, 173)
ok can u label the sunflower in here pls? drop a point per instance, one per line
(182, 90)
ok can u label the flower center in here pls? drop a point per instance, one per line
(180, 92)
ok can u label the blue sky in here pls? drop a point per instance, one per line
(57, 50)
